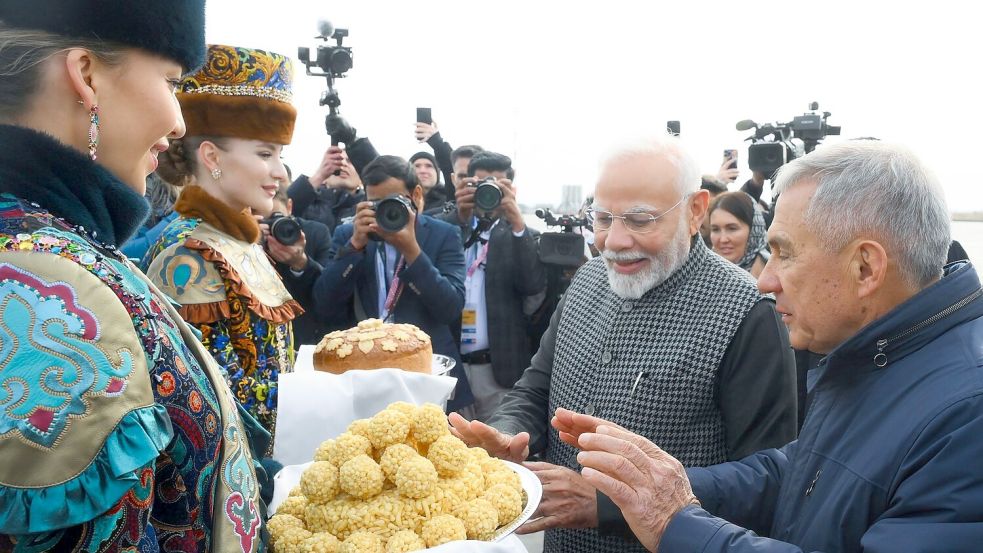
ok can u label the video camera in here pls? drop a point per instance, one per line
(772, 145)
(566, 248)
(331, 61)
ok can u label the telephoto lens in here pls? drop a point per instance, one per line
(392, 213)
(487, 194)
(284, 228)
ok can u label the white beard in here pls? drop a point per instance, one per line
(659, 268)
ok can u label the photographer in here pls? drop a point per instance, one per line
(299, 257)
(410, 274)
(505, 280)
(326, 197)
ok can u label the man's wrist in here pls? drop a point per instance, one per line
(299, 264)
(410, 252)
(355, 246)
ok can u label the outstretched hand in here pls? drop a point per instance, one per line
(478, 434)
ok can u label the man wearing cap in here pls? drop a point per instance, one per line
(435, 196)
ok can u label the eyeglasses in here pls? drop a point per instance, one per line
(639, 223)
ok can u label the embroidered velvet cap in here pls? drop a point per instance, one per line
(240, 93)
(174, 29)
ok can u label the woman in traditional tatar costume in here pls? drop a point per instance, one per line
(117, 429)
(238, 113)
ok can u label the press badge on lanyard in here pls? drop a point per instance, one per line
(469, 317)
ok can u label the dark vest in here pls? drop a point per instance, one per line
(675, 336)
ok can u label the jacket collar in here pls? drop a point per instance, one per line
(953, 300)
(37, 168)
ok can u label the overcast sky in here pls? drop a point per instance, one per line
(551, 84)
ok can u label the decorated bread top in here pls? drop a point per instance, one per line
(373, 336)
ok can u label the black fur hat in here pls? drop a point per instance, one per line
(174, 29)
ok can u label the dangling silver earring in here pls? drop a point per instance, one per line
(216, 173)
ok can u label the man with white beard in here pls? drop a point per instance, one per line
(658, 335)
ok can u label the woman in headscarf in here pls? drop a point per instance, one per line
(737, 231)
(239, 116)
(117, 429)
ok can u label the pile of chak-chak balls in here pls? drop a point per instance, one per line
(396, 482)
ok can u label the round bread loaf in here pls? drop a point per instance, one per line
(375, 345)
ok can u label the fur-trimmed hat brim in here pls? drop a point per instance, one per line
(174, 29)
(238, 117)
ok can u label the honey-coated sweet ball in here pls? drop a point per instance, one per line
(362, 542)
(449, 456)
(442, 529)
(320, 482)
(361, 477)
(405, 541)
(416, 478)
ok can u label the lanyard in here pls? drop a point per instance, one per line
(481, 257)
(395, 291)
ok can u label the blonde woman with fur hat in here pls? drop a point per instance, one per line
(117, 429)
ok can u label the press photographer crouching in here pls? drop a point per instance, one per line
(300, 249)
(505, 280)
(396, 264)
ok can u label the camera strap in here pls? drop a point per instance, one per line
(479, 259)
(483, 225)
(395, 291)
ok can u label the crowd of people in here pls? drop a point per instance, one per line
(723, 373)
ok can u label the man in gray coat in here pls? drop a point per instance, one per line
(659, 335)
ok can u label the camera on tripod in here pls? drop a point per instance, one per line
(772, 144)
(285, 228)
(392, 214)
(331, 61)
(565, 248)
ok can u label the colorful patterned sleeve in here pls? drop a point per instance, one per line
(80, 427)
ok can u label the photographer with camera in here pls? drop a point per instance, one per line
(396, 264)
(505, 281)
(332, 191)
(300, 248)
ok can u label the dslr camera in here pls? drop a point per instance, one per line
(285, 228)
(392, 213)
(487, 194)
(772, 144)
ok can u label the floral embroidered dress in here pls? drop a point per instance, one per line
(117, 430)
(208, 260)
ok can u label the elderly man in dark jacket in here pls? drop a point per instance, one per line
(888, 458)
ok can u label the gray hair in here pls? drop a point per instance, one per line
(23, 51)
(688, 177)
(878, 190)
